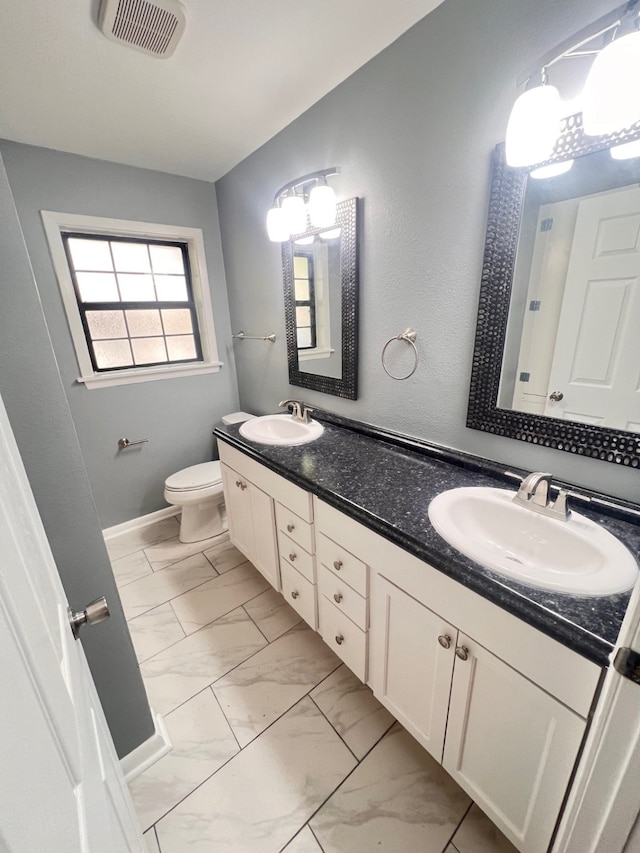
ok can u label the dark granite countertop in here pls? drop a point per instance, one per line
(386, 482)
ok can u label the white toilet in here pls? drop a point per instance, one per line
(198, 491)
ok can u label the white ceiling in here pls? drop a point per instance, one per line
(243, 71)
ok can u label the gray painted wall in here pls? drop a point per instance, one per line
(412, 132)
(33, 394)
(176, 415)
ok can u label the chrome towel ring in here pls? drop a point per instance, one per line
(409, 335)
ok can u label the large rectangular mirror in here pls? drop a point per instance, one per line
(320, 276)
(557, 357)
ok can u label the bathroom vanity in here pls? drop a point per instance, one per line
(496, 680)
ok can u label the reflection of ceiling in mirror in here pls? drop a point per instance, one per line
(573, 351)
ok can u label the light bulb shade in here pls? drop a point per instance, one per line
(277, 227)
(322, 206)
(552, 170)
(295, 214)
(331, 235)
(611, 98)
(626, 151)
(534, 126)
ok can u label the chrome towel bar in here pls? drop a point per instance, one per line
(243, 337)
(123, 443)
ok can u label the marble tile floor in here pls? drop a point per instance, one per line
(277, 747)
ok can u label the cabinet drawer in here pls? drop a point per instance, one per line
(299, 593)
(297, 556)
(295, 527)
(347, 600)
(350, 569)
(344, 637)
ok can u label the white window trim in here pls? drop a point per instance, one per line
(54, 223)
(312, 354)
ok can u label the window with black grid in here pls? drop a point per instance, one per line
(135, 299)
(304, 297)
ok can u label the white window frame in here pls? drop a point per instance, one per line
(55, 223)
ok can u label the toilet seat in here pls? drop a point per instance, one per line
(194, 478)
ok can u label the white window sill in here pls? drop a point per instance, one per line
(147, 374)
(312, 354)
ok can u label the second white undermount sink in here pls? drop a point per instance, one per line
(576, 556)
(280, 430)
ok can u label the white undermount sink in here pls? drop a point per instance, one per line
(575, 556)
(280, 429)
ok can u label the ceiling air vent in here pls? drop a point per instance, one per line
(153, 28)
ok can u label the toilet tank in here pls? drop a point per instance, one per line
(236, 418)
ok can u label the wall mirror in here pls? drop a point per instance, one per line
(320, 274)
(557, 350)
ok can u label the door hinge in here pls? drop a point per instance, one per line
(627, 663)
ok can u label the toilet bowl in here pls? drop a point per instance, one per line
(198, 491)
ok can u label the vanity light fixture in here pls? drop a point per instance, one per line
(610, 95)
(626, 151)
(609, 102)
(333, 234)
(322, 205)
(552, 170)
(295, 213)
(534, 125)
(306, 196)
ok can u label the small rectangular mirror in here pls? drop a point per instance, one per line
(320, 276)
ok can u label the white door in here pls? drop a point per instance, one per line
(596, 364)
(61, 788)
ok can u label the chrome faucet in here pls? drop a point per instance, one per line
(299, 412)
(534, 494)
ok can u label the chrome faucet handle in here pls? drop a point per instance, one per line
(306, 411)
(296, 409)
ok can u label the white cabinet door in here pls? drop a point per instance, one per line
(238, 503)
(410, 667)
(265, 546)
(252, 523)
(510, 745)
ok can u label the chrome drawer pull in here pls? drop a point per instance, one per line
(337, 597)
(293, 557)
(339, 639)
(295, 593)
(462, 652)
(445, 641)
(337, 565)
(291, 527)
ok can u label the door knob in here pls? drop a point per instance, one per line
(96, 611)
(556, 396)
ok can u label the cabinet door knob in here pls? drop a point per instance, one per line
(238, 483)
(291, 527)
(295, 593)
(293, 557)
(445, 641)
(337, 565)
(462, 652)
(337, 597)
(339, 639)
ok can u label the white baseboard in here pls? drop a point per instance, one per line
(149, 752)
(138, 523)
